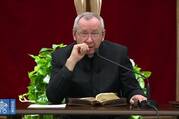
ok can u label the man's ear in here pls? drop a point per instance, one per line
(74, 36)
(103, 34)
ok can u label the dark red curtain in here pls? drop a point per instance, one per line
(147, 27)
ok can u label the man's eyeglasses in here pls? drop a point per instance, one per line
(85, 35)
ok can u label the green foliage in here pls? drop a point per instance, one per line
(37, 116)
(40, 76)
(135, 117)
(140, 78)
(141, 81)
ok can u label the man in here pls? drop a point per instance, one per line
(78, 71)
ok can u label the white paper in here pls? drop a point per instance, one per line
(47, 106)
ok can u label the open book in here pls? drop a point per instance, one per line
(102, 99)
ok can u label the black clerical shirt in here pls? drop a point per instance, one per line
(92, 76)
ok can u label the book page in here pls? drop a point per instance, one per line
(103, 97)
(88, 99)
(47, 106)
(82, 101)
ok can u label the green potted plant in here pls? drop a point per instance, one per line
(141, 76)
(39, 79)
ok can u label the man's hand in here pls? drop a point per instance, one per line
(137, 98)
(78, 52)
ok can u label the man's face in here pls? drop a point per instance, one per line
(91, 33)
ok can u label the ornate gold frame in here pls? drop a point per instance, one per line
(88, 5)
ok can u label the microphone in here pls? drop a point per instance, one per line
(128, 69)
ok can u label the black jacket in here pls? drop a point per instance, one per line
(92, 75)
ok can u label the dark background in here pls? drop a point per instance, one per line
(146, 27)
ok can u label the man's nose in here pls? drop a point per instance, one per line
(89, 39)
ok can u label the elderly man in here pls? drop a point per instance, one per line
(79, 72)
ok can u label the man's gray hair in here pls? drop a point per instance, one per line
(87, 16)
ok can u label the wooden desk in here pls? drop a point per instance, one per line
(124, 110)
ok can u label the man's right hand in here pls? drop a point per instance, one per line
(78, 52)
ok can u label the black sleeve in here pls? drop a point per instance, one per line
(59, 83)
(130, 84)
